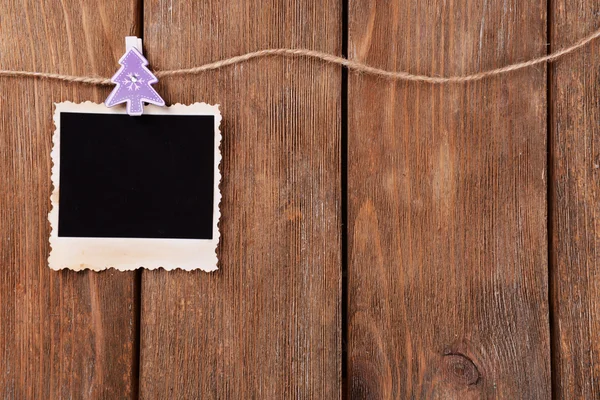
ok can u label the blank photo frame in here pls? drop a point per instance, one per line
(135, 192)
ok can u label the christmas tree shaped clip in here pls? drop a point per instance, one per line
(133, 80)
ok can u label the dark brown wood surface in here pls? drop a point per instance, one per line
(268, 323)
(453, 197)
(62, 334)
(447, 279)
(575, 203)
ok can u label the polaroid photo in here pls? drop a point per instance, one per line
(135, 192)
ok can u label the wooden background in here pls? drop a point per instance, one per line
(380, 239)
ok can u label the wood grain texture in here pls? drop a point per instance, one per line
(267, 324)
(62, 334)
(575, 203)
(447, 280)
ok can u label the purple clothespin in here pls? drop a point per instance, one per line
(133, 80)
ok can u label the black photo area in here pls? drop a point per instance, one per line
(136, 177)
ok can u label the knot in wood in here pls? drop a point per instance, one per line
(460, 370)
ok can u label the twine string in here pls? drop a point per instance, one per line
(326, 58)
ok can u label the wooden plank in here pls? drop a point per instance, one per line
(267, 324)
(447, 280)
(62, 334)
(575, 203)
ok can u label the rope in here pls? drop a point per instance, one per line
(326, 58)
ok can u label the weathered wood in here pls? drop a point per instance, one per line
(447, 280)
(575, 203)
(62, 334)
(267, 324)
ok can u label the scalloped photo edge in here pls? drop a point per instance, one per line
(127, 254)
